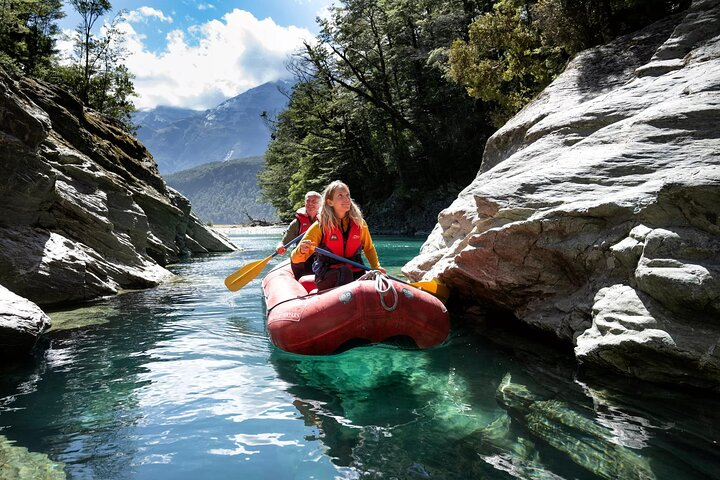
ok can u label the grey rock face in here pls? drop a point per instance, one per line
(595, 213)
(21, 323)
(83, 210)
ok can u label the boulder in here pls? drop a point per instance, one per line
(84, 212)
(21, 324)
(606, 186)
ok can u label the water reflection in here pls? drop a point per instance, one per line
(456, 412)
(84, 396)
(181, 382)
(387, 411)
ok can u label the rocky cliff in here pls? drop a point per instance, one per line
(595, 213)
(83, 210)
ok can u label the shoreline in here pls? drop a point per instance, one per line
(225, 229)
(247, 225)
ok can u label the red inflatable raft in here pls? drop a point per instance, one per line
(300, 320)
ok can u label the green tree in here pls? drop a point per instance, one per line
(111, 85)
(505, 60)
(28, 30)
(89, 47)
(307, 141)
(579, 24)
(98, 76)
(11, 31)
(373, 106)
(42, 29)
(513, 52)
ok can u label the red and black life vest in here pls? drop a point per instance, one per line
(341, 242)
(303, 219)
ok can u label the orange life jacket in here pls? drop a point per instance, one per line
(342, 243)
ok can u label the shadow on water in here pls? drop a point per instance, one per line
(473, 409)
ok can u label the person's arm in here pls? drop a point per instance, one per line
(292, 231)
(307, 245)
(369, 248)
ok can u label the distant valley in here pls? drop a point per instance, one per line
(224, 192)
(213, 157)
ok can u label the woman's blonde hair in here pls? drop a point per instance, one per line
(327, 217)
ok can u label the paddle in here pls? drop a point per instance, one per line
(241, 277)
(432, 287)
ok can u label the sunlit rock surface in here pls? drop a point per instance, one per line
(606, 187)
(83, 210)
(21, 323)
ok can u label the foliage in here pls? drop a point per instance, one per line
(98, 76)
(513, 52)
(505, 60)
(88, 48)
(372, 106)
(381, 95)
(578, 24)
(28, 33)
(28, 30)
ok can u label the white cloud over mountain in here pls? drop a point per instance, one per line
(210, 62)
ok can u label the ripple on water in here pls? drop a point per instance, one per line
(181, 382)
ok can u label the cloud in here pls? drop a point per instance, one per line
(208, 63)
(142, 14)
(65, 45)
(205, 6)
(325, 12)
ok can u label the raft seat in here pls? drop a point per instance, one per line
(308, 282)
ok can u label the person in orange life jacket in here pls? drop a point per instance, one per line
(342, 230)
(304, 217)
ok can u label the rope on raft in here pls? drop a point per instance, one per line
(382, 286)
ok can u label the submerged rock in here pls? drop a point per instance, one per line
(83, 210)
(589, 444)
(17, 463)
(607, 186)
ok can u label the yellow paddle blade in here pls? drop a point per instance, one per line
(239, 278)
(434, 288)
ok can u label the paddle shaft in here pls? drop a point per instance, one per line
(290, 243)
(432, 287)
(354, 264)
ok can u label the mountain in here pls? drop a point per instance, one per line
(181, 139)
(224, 192)
(161, 117)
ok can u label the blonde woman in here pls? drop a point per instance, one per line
(341, 230)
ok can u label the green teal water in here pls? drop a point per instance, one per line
(181, 382)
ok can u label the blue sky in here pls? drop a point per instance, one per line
(195, 54)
